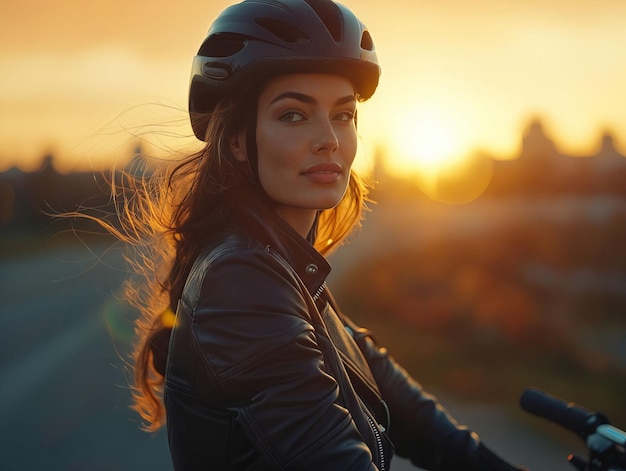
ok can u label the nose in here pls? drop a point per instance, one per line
(325, 139)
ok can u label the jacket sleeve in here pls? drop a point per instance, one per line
(421, 428)
(260, 355)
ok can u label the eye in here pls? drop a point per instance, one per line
(345, 116)
(292, 117)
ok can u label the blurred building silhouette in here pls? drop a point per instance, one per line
(28, 199)
(540, 168)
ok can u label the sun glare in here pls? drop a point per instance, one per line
(432, 143)
(426, 140)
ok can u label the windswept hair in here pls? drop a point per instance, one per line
(165, 219)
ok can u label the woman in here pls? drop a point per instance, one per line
(259, 369)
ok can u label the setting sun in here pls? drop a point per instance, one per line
(428, 138)
(435, 144)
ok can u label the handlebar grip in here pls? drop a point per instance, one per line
(573, 417)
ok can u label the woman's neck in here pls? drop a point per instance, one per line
(301, 220)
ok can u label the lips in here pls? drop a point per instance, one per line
(325, 168)
(328, 172)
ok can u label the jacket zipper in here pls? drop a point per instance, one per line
(340, 379)
(379, 441)
(319, 291)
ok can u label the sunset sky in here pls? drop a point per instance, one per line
(457, 75)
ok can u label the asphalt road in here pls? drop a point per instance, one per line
(63, 388)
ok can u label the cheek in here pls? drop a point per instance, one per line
(275, 155)
(275, 159)
(278, 147)
(349, 145)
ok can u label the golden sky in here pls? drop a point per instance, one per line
(457, 75)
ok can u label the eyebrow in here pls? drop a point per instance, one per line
(311, 100)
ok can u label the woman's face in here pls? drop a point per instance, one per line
(306, 142)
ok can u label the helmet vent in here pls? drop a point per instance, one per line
(331, 16)
(285, 31)
(222, 45)
(367, 42)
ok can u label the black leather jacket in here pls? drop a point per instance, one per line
(264, 372)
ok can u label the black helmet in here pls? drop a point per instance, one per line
(256, 39)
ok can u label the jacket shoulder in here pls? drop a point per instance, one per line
(235, 260)
(241, 305)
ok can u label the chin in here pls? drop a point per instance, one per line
(327, 204)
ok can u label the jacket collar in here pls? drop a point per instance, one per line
(254, 215)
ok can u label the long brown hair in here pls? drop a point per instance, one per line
(165, 222)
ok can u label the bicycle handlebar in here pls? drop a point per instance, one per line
(573, 417)
(605, 443)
